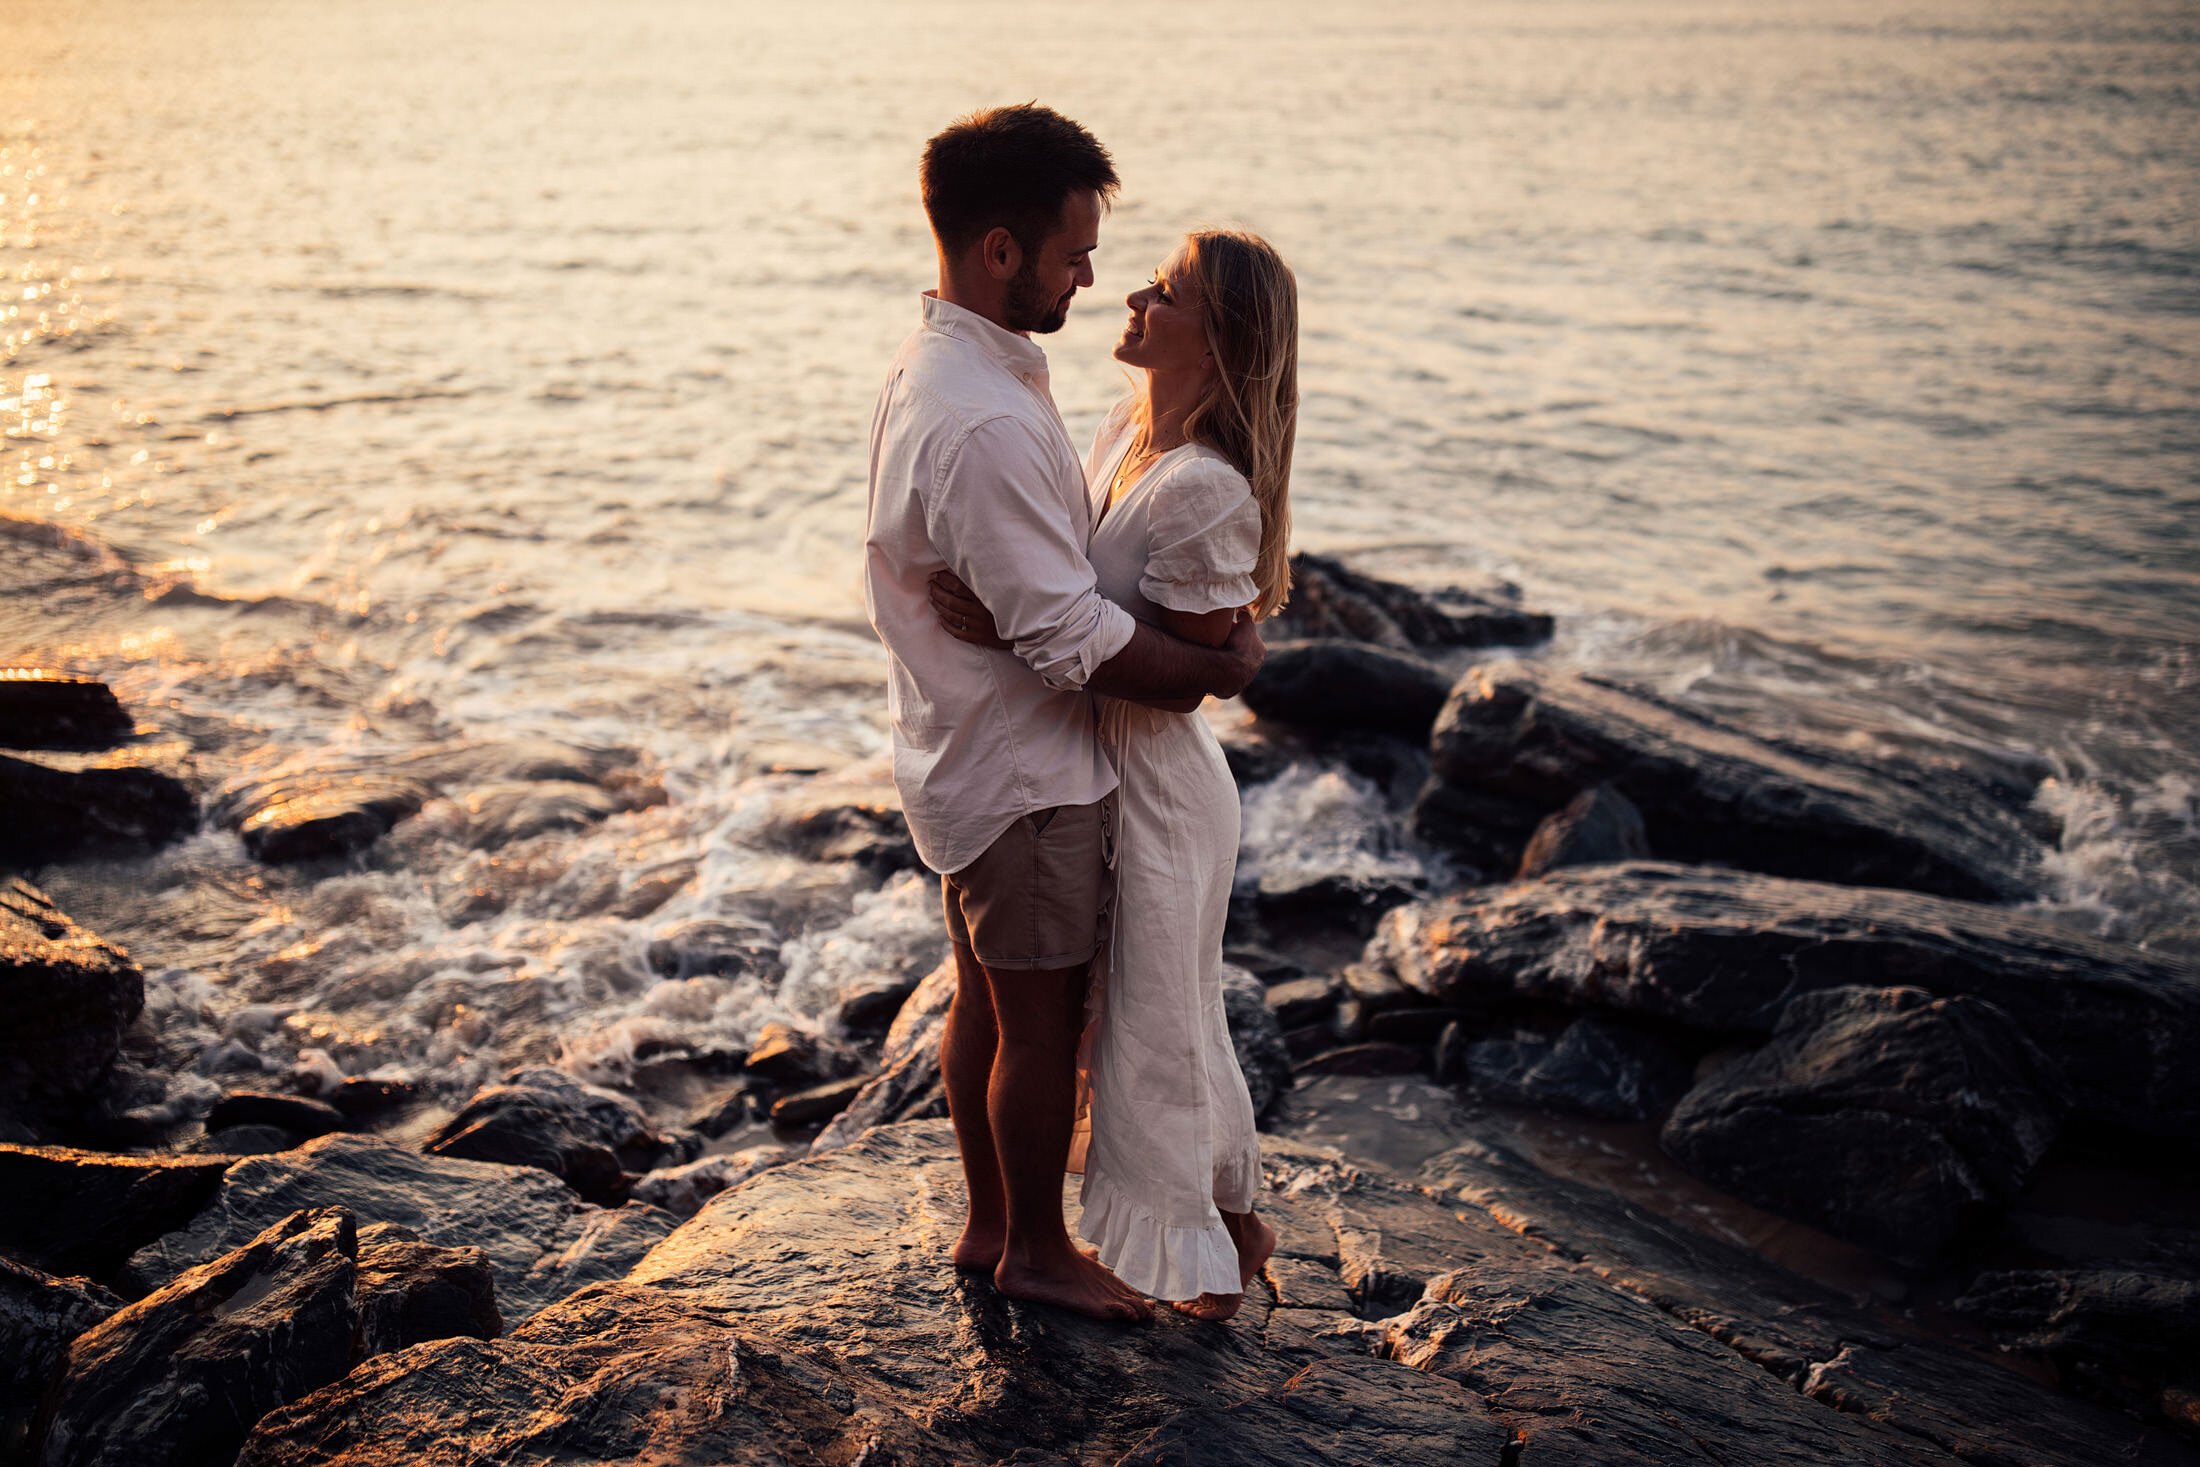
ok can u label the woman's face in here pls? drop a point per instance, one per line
(1167, 330)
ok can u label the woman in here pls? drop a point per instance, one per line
(1188, 479)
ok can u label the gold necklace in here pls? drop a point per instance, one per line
(1136, 457)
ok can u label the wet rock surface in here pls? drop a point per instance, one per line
(299, 1115)
(542, 1242)
(41, 709)
(851, 815)
(1597, 827)
(409, 1290)
(314, 820)
(71, 1211)
(1593, 1068)
(180, 1376)
(1257, 1038)
(1725, 951)
(68, 998)
(1342, 687)
(1535, 738)
(2128, 1333)
(908, 1085)
(817, 1104)
(1329, 599)
(682, 1190)
(724, 947)
(332, 803)
(811, 1313)
(1883, 1115)
(588, 1136)
(1934, 1400)
(794, 1059)
(104, 809)
(39, 1316)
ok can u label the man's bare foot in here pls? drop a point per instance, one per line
(1082, 1285)
(979, 1248)
(1214, 1308)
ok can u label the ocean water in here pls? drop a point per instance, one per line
(383, 376)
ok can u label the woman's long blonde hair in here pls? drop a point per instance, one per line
(1251, 415)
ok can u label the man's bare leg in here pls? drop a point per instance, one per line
(967, 1048)
(1032, 1106)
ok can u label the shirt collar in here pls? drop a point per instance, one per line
(1019, 354)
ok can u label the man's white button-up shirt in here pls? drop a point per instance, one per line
(972, 470)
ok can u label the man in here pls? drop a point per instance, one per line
(1003, 782)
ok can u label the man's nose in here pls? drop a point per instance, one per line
(1084, 275)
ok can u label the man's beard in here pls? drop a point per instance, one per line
(1028, 308)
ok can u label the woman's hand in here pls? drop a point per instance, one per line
(963, 614)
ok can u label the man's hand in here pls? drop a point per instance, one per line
(1246, 652)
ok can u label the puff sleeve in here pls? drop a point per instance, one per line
(1203, 539)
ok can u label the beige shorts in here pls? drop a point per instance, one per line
(1034, 899)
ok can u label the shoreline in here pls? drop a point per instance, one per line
(1599, 787)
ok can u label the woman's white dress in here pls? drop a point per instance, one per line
(1166, 1128)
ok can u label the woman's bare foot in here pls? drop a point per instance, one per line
(1214, 1308)
(1256, 1243)
(1080, 1284)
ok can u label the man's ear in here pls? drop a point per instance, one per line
(1000, 254)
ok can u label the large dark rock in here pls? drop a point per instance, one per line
(308, 816)
(329, 803)
(797, 1059)
(723, 947)
(514, 810)
(1726, 950)
(66, 996)
(1882, 1115)
(908, 1085)
(1537, 737)
(1594, 1068)
(545, 1118)
(1297, 1001)
(1328, 599)
(104, 809)
(297, 1114)
(1256, 1036)
(542, 1242)
(180, 1376)
(818, 1104)
(410, 1290)
(1347, 687)
(1943, 1403)
(1599, 827)
(682, 1190)
(39, 1316)
(43, 709)
(853, 814)
(86, 1211)
(812, 1314)
(1343, 1411)
(2107, 1326)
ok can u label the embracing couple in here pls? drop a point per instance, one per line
(1053, 627)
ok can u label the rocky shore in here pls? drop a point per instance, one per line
(1795, 976)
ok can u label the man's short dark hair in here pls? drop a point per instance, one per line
(1009, 166)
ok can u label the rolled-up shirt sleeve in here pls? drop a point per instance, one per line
(996, 515)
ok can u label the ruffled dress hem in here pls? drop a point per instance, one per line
(1159, 1261)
